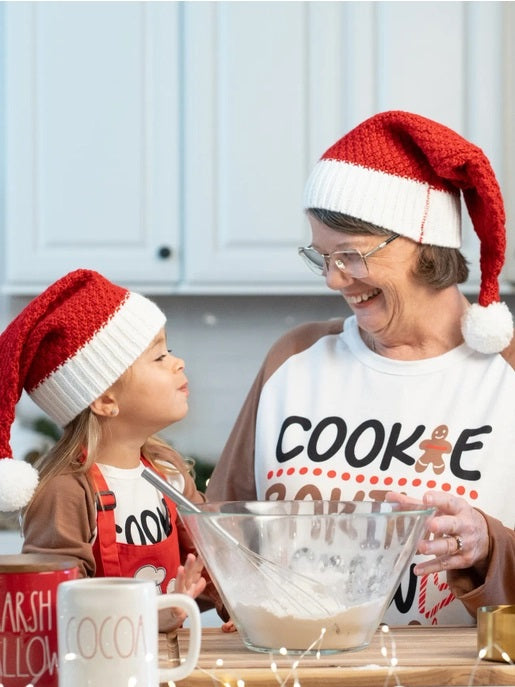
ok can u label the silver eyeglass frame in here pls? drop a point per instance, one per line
(320, 270)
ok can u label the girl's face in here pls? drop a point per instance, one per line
(153, 392)
(386, 299)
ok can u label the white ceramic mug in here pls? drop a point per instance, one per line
(108, 633)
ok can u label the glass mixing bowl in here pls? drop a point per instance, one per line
(306, 575)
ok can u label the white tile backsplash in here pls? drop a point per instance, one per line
(223, 341)
(10, 542)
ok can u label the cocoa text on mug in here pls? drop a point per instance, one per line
(111, 637)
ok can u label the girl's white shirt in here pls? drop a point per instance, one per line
(140, 509)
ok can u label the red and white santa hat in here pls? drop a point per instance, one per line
(67, 347)
(405, 173)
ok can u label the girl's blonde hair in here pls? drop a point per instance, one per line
(76, 451)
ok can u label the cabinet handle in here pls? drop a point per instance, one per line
(164, 252)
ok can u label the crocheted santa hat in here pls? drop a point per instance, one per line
(404, 172)
(67, 347)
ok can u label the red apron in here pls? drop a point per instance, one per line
(157, 562)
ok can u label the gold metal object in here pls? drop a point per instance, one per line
(496, 633)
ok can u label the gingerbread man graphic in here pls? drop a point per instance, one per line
(433, 449)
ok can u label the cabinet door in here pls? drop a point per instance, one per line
(167, 144)
(92, 142)
(261, 85)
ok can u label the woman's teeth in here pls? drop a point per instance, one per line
(354, 300)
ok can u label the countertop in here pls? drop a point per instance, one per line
(412, 656)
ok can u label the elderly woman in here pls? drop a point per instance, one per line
(412, 394)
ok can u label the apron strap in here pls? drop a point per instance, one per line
(106, 526)
(107, 554)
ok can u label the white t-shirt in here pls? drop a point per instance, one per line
(337, 421)
(141, 516)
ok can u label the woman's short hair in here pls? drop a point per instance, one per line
(437, 266)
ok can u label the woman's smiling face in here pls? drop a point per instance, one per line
(387, 296)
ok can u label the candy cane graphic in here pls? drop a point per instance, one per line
(441, 586)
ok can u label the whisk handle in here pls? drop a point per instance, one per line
(181, 500)
(169, 490)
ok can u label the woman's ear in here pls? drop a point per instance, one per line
(105, 405)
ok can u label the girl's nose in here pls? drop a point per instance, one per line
(178, 364)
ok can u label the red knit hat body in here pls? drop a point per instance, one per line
(405, 173)
(67, 347)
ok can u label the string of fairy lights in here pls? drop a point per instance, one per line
(388, 651)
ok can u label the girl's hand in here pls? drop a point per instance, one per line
(187, 581)
(457, 535)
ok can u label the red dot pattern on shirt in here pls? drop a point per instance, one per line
(375, 480)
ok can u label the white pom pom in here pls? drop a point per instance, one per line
(487, 329)
(18, 481)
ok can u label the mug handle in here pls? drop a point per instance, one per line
(190, 606)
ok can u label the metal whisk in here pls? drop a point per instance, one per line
(306, 594)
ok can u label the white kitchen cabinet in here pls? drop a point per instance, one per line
(261, 102)
(167, 144)
(269, 88)
(92, 140)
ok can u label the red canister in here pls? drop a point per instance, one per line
(28, 617)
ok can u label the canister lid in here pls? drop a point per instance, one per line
(35, 562)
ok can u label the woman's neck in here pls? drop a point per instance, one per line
(432, 328)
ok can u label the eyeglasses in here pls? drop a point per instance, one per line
(352, 262)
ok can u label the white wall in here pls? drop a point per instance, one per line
(10, 542)
(223, 341)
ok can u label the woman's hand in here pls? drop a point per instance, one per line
(457, 535)
(229, 626)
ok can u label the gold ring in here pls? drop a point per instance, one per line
(459, 542)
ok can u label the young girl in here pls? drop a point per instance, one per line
(94, 357)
